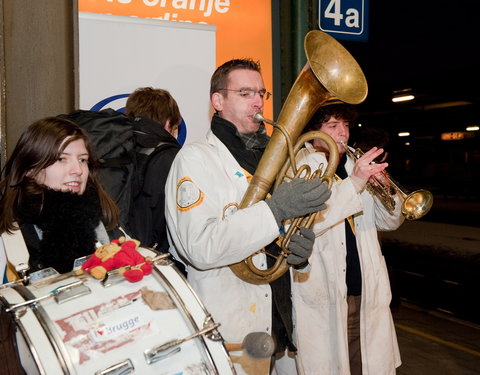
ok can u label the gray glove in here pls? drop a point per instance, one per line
(301, 246)
(298, 198)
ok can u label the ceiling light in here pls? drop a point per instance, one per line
(402, 95)
(472, 128)
(402, 98)
(446, 105)
(403, 134)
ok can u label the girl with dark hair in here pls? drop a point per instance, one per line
(50, 192)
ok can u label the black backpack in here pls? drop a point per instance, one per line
(122, 162)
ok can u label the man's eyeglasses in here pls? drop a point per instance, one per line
(250, 93)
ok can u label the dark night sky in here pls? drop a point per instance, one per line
(432, 47)
(429, 46)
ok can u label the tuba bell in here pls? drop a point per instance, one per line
(330, 72)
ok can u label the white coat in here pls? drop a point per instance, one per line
(319, 296)
(207, 232)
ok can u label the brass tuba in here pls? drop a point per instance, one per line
(330, 72)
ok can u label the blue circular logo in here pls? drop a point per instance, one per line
(120, 101)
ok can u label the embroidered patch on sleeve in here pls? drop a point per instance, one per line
(188, 194)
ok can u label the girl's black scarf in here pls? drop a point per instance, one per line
(67, 222)
(248, 158)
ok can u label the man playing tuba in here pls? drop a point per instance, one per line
(208, 232)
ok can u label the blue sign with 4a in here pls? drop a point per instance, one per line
(344, 19)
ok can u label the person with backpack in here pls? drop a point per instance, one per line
(156, 119)
(51, 197)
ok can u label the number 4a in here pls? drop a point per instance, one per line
(333, 11)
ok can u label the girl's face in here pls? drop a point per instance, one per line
(69, 172)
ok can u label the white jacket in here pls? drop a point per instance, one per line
(207, 232)
(319, 297)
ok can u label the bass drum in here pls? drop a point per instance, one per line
(75, 324)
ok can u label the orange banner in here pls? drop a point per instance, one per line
(244, 27)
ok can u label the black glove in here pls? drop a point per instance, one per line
(301, 246)
(298, 197)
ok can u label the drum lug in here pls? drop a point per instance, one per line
(42, 274)
(61, 294)
(123, 368)
(154, 355)
(113, 277)
(213, 335)
(20, 313)
(72, 293)
(163, 260)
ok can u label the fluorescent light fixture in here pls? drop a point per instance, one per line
(402, 98)
(403, 134)
(445, 105)
(472, 128)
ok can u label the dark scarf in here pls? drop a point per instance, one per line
(67, 222)
(354, 273)
(248, 158)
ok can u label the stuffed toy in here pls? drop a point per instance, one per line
(119, 254)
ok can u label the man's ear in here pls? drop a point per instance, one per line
(167, 126)
(217, 101)
(173, 130)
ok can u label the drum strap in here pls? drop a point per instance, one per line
(10, 273)
(17, 251)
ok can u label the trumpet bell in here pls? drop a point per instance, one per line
(417, 204)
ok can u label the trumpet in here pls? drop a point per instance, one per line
(415, 205)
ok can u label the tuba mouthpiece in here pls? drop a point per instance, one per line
(258, 117)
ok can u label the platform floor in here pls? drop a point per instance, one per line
(434, 343)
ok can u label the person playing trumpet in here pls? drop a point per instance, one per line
(343, 319)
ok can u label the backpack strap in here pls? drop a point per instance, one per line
(16, 251)
(144, 156)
